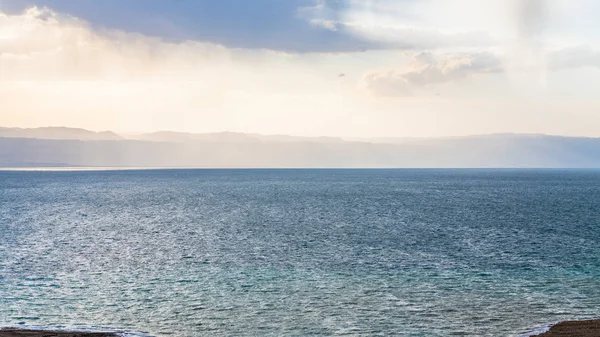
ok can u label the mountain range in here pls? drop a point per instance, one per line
(61, 146)
(58, 133)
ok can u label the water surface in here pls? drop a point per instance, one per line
(300, 252)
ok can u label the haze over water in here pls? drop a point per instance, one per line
(300, 252)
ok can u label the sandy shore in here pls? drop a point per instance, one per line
(574, 329)
(38, 333)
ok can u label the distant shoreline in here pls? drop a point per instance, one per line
(177, 168)
(80, 168)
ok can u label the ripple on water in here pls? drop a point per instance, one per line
(300, 252)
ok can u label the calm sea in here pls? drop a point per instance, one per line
(300, 252)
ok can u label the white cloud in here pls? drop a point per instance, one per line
(319, 15)
(56, 69)
(45, 45)
(435, 24)
(392, 25)
(387, 84)
(427, 68)
(414, 38)
(574, 57)
(327, 24)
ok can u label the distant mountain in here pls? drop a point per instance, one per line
(389, 140)
(405, 140)
(58, 133)
(170, 149)
(227, 137)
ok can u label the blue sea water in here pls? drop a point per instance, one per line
(300, 252)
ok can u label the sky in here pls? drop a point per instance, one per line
(347, 68)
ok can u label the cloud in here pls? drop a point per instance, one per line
(327, 24)
(456, 24)
(409, 38)
(574, 57)
(531, 17)
(314, 26)
(42, 44)
(427, 68)
(58, 69)
(387, 25)
(387, 84)
(295, 26)
(414, 25)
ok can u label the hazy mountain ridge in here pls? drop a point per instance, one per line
(58, 133)
(231, 137)
(228, 149)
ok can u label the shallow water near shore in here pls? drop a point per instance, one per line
(300, 252)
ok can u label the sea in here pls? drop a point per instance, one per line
(429, 252)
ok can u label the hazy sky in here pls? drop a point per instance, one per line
(354, 68)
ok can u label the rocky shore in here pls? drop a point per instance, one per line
(44, 333)
(574, 329)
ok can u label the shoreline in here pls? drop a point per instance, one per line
(583, 328)
(15, 332)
